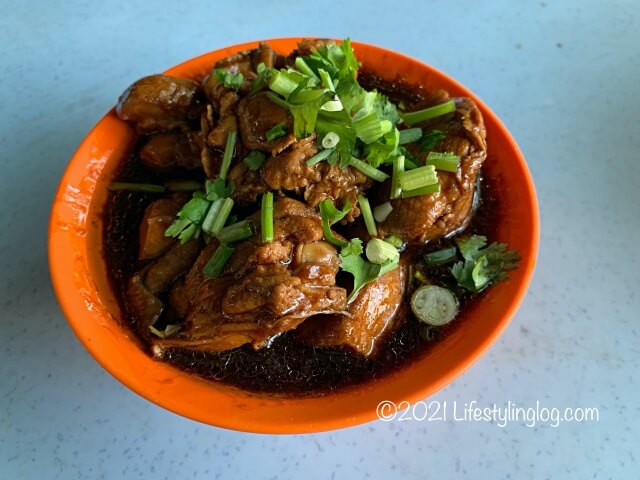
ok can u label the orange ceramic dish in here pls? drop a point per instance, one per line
(80, 280)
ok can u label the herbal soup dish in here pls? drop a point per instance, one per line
(296, 225)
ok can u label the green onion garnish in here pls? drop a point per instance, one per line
(283, 83)
(411, 118)
(266, 217)
(368, 170)
(318, 157)
(418, 177)
(330, 140)
(395, 241)
(216, 264)
(254, 160)
(228, 154)
(277, 131)
(440, 257)
(329, 213)
(137, 187)
(381, 212)
(398, 168)
(410, 135)
(221, 217)
(443, 161)
(365, 208)
(212, 214)
(435, 188)
(378, 251)
(369, 127)
(237, 232)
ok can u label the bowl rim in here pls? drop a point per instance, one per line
(70, 303)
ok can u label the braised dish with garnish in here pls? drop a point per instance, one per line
(295, 224)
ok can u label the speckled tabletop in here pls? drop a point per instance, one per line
(564, 78)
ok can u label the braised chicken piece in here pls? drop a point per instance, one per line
(266, 289)
(146, 286)
(257, 115)
(166, 151)
(367, 320)
(157, 218)
(160, 103)
(425, 217)
(289, 172)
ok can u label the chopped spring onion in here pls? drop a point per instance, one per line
(395, 241)
(410, 135)
(369, 127)
(221, 218)
(304, 68)
(416, 192)
(378, 251)
(182, 185)
(229, 148)
(137, 187)
(279, 130)
(440, 257)
(283, 83)
(266, 217)
(332, 106)
(398, 168)
(381, 212)
(434, 305)
(254, 160)
(318, 157)
(329, 213)
(216, 264)
(368, 170)
(237, 232)
(418, 177)
(365, 208)
(330, 140)
(212, 214)
(443, 161)
(411, 118)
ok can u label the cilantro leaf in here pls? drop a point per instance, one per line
(470, 246)
(218, 189)
(431, 139)
(482, 265)
(363, 271)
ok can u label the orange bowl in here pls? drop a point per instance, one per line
(80, 280)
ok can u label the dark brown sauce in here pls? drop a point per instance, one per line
(287, 367)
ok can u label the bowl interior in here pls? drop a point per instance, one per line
(81, 284)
